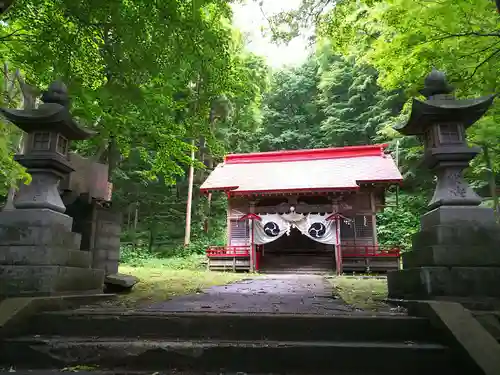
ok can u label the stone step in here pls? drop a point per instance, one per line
(295, 270)
(231, 326)
(285, 357)
(128, 372)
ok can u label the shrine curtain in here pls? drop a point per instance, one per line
(314, 226)
(317, 228)
(269, 229)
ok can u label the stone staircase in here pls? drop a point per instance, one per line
(119, 342)
(305, 264)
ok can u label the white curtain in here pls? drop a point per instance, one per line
(314, 226)
(270, 228)
(317, 228)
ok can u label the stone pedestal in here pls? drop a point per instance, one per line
(456, 254)
(40, 255)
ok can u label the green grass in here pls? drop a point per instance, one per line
(363, 293)
(162, 279)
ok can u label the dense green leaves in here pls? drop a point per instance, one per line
(123, 62)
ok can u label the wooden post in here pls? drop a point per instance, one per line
(187, 235)
(252, 246)
(374, 218)
(228, 222)
(338, 249)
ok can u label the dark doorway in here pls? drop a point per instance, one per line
(297, 253)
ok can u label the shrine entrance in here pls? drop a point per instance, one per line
(296, 253)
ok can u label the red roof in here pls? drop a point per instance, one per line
(327, 169)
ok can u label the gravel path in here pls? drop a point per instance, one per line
(295, 294)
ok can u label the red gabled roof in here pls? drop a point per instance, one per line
(328, 169)
(306, 155)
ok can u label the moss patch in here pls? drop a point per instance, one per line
(361, 292)
(162, 283)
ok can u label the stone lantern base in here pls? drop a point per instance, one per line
(40, 255)
(456, 254)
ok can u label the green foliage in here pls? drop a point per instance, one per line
(460, 37)
(401, 219)
(141, 257)
(354, 107)
(291, 116)
(123, 63)
(11, 172)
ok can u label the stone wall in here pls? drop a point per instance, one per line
(100, 229)
(106, 250)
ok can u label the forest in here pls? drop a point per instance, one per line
(160, 80)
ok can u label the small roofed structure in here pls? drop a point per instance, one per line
(310, 210)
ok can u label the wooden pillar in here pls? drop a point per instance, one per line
(337, 247)
(228, 222)
(252, 245)
(374, 218)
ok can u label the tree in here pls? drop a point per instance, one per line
(123, 62)
(353, 104)
(291, 117)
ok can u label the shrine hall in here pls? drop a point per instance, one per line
(304, 211)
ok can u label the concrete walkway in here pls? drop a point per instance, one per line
(293, 294)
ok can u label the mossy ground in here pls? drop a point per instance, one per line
(162, 279)
(366, 293)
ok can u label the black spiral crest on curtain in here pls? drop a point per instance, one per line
(317, 230)
(271, 229)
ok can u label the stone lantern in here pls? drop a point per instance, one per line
(50, 128)
(457, 251)
(39, 253)
(440, 122)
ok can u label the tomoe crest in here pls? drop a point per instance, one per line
(271, 229)
(317, 230)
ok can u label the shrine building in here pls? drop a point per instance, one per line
(304, 210)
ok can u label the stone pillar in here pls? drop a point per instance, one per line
(456, 253)
(106, 249)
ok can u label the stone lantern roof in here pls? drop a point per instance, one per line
(441, 105)
(52, 115)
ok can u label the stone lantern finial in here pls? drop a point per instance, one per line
(436, 84)
(57, 92)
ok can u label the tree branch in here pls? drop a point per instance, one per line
(481, 50)
(484, 62)
(14, 33)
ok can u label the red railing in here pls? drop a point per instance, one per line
(370, 251)
(228, 251)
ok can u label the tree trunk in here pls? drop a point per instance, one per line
(187, 235)
(136, 219)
